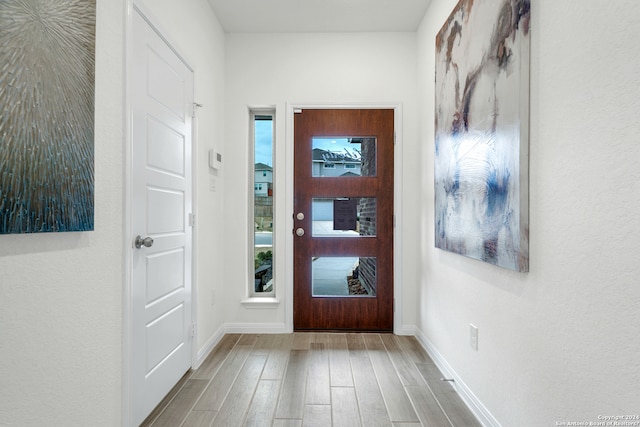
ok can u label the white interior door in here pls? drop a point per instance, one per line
(161, 163)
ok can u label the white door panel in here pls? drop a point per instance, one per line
(165, 211)
(162, 196)
(164, 336)
(165, 148)
(155, 309)
(166, 86)
(162, 276)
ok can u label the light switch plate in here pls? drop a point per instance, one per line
(473, 336)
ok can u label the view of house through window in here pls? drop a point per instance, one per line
(343, 157)
(263, 190)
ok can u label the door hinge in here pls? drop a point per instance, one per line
(192, 220)
(193, 329)
(297, 110)
(394, 220)
(195, 107)
(394, 137)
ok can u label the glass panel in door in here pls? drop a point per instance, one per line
(343, 217)
(343, 276)
(346, 157)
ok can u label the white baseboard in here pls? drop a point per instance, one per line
(475, 406)
(405, 330)
(255, 328)
(236, 328)
(208, 347)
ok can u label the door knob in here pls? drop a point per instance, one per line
(147, 242)
(300, 232)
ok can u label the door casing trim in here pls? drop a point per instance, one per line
(127, 279)
(398, 327)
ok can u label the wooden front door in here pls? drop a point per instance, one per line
(343, 219)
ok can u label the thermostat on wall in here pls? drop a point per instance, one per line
(215, 159)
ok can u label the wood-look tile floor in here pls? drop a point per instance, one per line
(314, 379)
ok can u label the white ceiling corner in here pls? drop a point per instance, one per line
(319, 16)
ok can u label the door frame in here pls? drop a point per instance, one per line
(135, 6)
(398, 327)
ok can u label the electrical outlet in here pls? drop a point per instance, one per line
(473, 336)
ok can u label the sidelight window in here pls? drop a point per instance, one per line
(261, 260)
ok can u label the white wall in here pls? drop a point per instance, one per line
(559, 343)
(61, 293)
(276, 69)
(61, 300)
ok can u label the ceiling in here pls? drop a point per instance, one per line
(319, 16)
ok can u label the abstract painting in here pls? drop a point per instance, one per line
(47, 81)
(482, 132)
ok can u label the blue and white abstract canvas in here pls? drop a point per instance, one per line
(481, 132)
(47, 80)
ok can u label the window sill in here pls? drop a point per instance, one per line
(260, 302)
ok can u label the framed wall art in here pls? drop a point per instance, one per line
(47, 81)
(482, 132)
